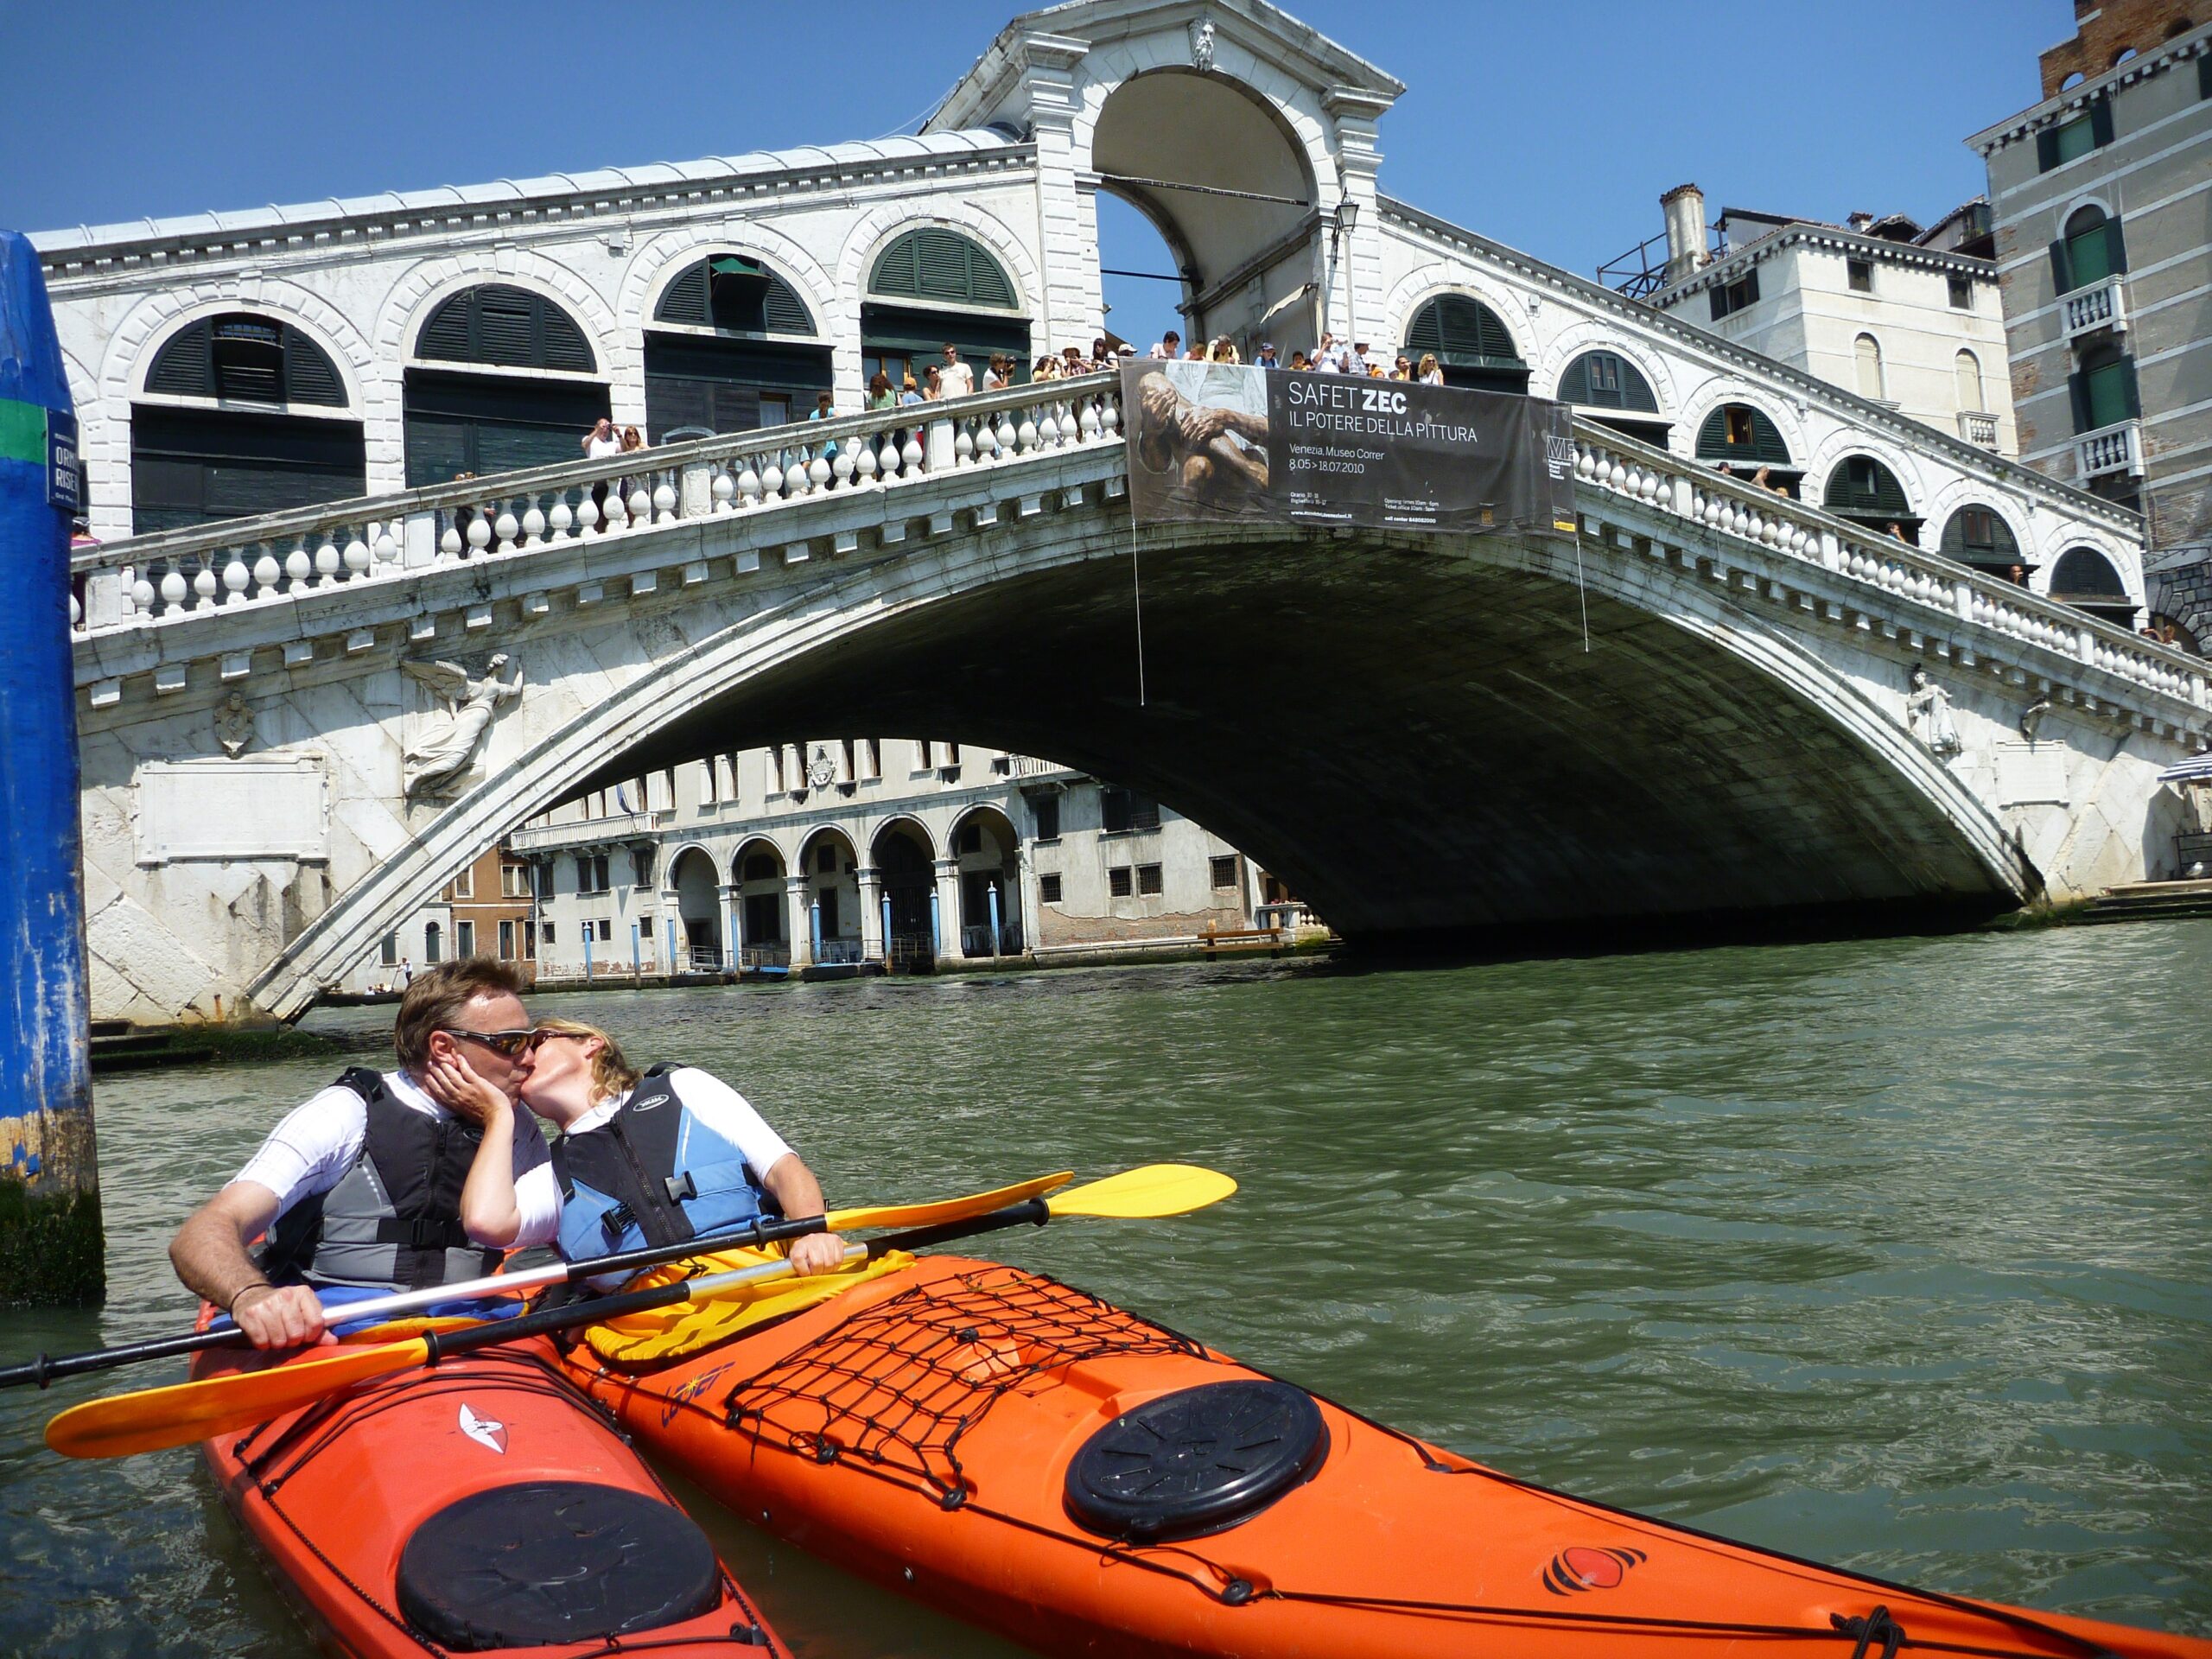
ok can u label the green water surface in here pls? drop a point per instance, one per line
(1894, 1254)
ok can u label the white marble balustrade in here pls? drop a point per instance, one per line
(183, 573)
(1605, 462)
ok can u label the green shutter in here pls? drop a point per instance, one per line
(2062, 267)
(2109, 388)
(1630, 391)
(1462, 332)
(2084, 572)
(2088, 254)
(445, 334)
(309, 375)
(182, 369)
(785, 312)
(684, 300)
(1766, 447)
(507, 327)
(2101, 120)
(2046, 149)
(943, 268)
(2000, 547)
(2115, 248)
(1862, 486)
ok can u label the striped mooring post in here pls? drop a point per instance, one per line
(51, 1245)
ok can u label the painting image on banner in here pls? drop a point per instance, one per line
(1212, 441)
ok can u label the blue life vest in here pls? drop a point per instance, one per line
(652, 1174)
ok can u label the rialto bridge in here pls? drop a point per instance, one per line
(294, 729)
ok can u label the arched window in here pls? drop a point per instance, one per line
(245, 358)
(1965, 369)
(1744, 439)
(505, 327)
(1472, 345)
(760, 365)
(733, 294)
(1863, 490)
(933, 288)
(1866, 353)
(941, 267)
(1606, 380)
(2090, 249)
(2085, 579)
(472, 421)
(1978, 537)
(272, 444)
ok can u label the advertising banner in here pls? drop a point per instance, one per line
(1209, 441)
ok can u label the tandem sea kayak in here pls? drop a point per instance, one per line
(482, 1506)
(1037, 1460)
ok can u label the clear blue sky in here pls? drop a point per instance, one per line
(1552, 127)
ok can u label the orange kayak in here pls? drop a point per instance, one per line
(1040, 1462)
(481, 1506)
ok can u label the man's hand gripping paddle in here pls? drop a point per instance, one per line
(156, 1419)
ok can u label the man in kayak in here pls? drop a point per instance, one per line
(657, 1157)
(382, 1182)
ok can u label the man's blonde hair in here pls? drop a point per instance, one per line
(611, 1074)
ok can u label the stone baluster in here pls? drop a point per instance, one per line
(235, 578)
(664, 497)
(639, 505)
(614, 513)
(910, 453)
(818, 473)
(1110, 413)
(866, 467)
(449, 543)
(721, 488)
(1008, 435)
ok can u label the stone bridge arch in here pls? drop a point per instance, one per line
(1697, 757)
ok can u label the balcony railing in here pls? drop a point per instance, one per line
(2117, 449)
(839, 952)
(246, 562)
(704, 958)
(1978, 428)
(619, 827)
(2102, 306)
(758, 956)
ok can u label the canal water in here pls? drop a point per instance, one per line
(1896, 1253)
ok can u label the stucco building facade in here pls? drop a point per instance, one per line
(2102, 195)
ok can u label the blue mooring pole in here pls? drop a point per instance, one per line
(51, 1245)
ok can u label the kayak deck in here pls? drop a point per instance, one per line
(480, 1506)
(969, 1433)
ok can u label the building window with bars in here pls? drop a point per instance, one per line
(1048, 889)
(1149, 882)
(1118, 883)
(1046, 811)
(1223, 866)
(1123, 810)
(1860, 275)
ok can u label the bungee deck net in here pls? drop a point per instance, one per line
(896, 1385)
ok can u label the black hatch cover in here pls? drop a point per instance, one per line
(1196, 1461)
(550, 1562)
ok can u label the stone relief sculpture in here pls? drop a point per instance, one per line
(2032, 717)
(1927, 715)
(234, 725)
(435, 762)
(1202, 46)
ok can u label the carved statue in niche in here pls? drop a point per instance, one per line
(234, 725)
(435, 762)
(1927, 715)
(1202, 46)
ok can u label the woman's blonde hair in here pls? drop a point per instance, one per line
(611, 1074)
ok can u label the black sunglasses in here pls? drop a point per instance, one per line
(506, 1043)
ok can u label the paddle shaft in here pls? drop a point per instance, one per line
(47, 1369)
(443, 1345)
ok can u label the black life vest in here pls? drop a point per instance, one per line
(392, 1220)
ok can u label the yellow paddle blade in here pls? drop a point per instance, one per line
(153, 1420)
(945, 1210)
(1153, 1190)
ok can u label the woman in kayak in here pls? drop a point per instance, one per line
(657, 1157)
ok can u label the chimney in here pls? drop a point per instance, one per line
(1684, 205)
(1859, 222)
